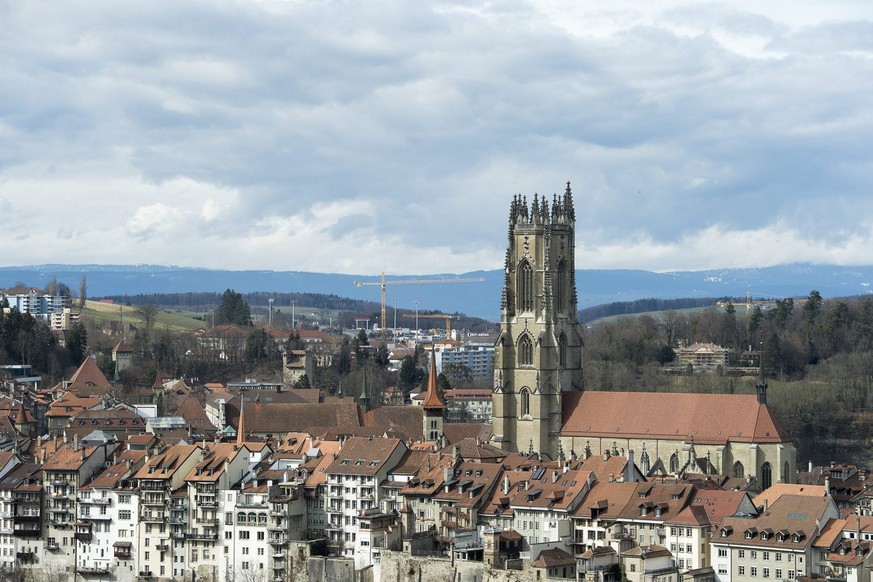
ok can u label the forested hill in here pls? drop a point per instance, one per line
(641, 306)
(595, 287)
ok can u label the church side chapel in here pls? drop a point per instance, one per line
(539, 402)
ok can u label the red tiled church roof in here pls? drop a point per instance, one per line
(703, 418)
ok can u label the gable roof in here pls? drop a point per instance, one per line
(703, 418)
(89, 380)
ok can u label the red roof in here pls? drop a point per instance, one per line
(705, 418)
(432, 399)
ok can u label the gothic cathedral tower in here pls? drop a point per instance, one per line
(539, 352)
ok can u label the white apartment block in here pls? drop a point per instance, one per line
(353, 481)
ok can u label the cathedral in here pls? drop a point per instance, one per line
(538, 401)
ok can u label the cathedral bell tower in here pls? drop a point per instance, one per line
(539, 352)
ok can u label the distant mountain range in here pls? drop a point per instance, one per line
(595, 287)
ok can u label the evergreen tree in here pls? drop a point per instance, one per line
(233, 309)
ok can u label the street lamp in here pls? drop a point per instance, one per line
(416, 317)
(270, 301)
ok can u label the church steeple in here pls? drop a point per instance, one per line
(365, 393)
(761, 386)
(539, 353)
(433, 405)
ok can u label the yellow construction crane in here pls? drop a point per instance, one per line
(445, 316)
(383, 283)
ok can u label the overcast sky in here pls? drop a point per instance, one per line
(360, 137)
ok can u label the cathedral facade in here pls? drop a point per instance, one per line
(538, 355)
(538, 402)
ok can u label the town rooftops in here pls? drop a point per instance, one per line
(705, 418)
(791, 522)
(771, 495)
(364, 456)
(165, 464)
(70, 457)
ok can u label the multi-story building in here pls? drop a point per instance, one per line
(220, 467)
(776, 543)
(63, 473)
(353, 485)
(12, 474)
(106, 525)
(544, 502)
(159, 480)
(479, 360)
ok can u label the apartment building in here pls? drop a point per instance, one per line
(12, 475)
(353, 485)
(776, 543)
(63, 473)
(544, 502)
(106, 524)
(162, 551)
(220, 467)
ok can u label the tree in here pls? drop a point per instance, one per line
(148, 314)
(52, 287)
(83, 291)
(458, 374)
(233, 309)
(408, 376)
(257, 346)
(77, 342)
(302, 382)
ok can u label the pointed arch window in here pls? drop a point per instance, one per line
(785, 469)
(674, 463)
(525, 285)
(525, 351)
(645, 463)
(562, 350)
(766, 476)
(561, 287)
(524, 402)
(739, 470)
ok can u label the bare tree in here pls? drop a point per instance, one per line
(83, 291)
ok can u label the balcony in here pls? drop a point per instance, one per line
(26, 519)
(97, 500)
(278, 555)
(201, 536)
(27, 532)
(162, 547)
(251, 504)
(178, 535)
(278, 541)
(52, 546)
(95, 569)
(207, 503)
(279, 513)
(153, 518)
(210, 522)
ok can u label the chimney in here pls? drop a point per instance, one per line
(629, 468)
(82, 454)
(554, 476)
(76, 442)
(810, 465)
(506, 483)
(527, 485)
(606, 455)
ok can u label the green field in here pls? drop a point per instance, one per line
(176, 319)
